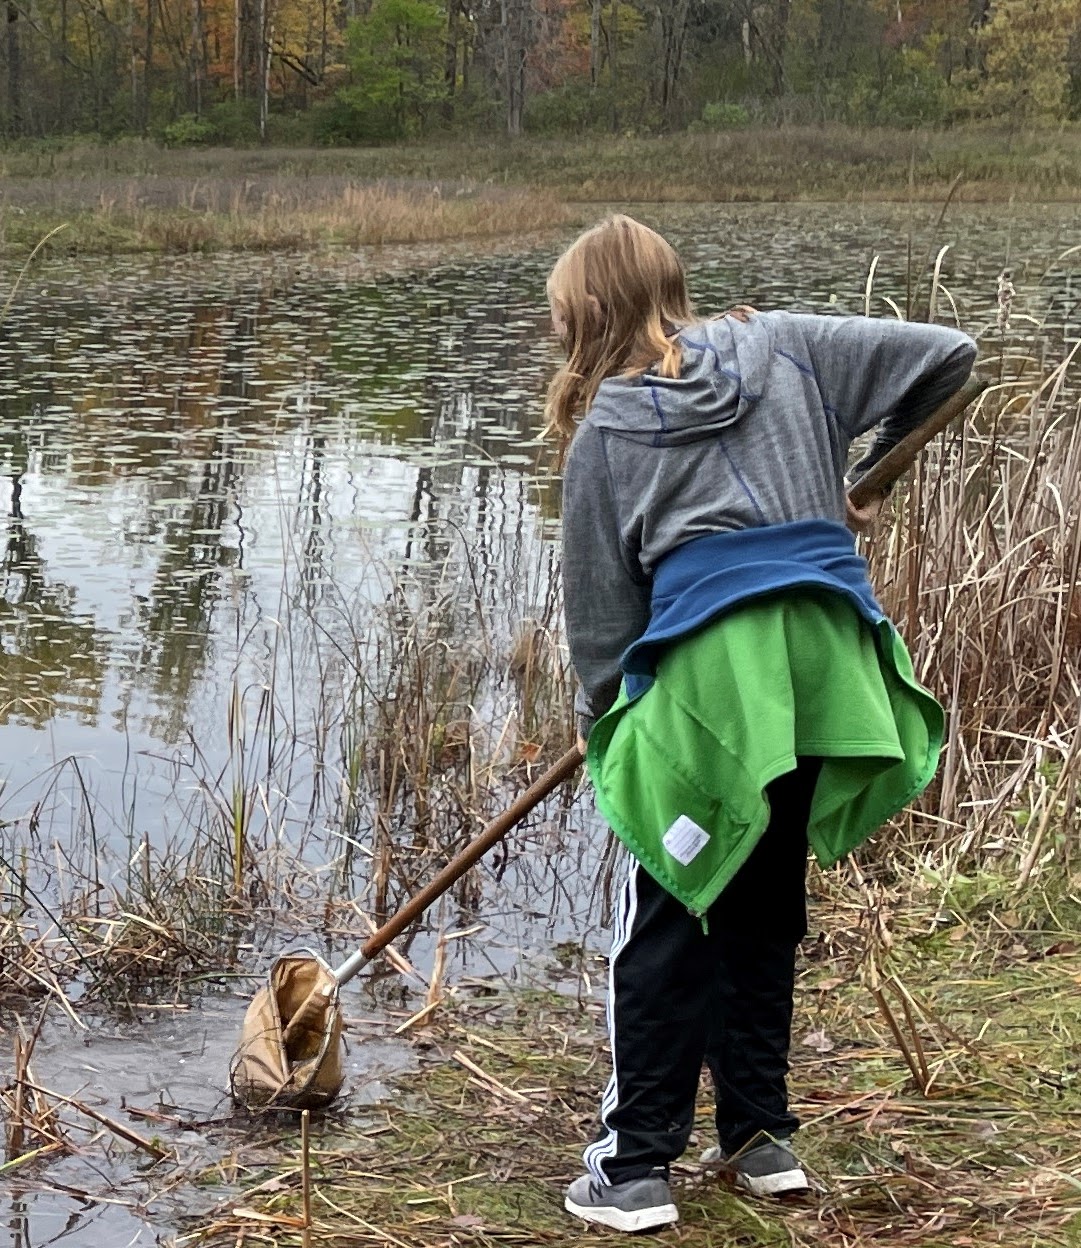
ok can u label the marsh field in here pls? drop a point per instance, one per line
(133, 195)
(280, 622)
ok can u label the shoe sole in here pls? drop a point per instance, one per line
(779, 1184)
(622, 1219)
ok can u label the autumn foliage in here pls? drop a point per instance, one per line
(193, 71)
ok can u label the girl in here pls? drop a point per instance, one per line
(742, 693)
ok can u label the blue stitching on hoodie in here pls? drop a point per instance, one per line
(660, 415)
(718, 367)
(743, 484)
(703, 346)
(808, 371)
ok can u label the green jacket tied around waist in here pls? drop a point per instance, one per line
(681, 770)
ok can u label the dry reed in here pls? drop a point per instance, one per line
(280, 213)
(979, 568)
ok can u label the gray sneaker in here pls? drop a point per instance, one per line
(768, 1169)
(638, 1205)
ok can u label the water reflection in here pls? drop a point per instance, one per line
(52, 660)
(195, 447)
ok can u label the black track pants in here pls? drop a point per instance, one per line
(678, 996)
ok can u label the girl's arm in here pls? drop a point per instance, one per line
(885, 373)
(606, 596)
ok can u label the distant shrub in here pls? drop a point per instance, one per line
(722, 115)
(234, 122)
(290, 129)
(572, 109)
(475, 111)
(350, 116)
(189, 131)
(911, 93)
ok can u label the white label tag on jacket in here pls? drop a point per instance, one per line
(685, 840)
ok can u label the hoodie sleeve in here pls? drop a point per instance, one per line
(606, 595)
(885, 373)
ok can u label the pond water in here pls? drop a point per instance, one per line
(193, 447)
(220, 475)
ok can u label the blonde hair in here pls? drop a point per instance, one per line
(622, 292)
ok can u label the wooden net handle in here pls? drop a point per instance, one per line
(492, 834)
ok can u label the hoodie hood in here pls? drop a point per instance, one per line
(725, 363)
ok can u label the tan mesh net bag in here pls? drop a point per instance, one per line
(290, 1054)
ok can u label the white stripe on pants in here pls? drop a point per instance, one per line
(599, 1151)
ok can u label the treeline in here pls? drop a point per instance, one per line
(349, 71)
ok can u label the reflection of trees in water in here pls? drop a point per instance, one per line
(176, 406)
(482, 584)
(197, 421)
(314, 571)
(468, 508)
(183, 412)
(175, 622)
(52, 657)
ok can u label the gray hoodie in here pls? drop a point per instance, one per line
(756, 430)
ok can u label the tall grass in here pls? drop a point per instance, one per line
(979, 567)
(280, 212)
(136, 196)
(755, 162)
(360, 746)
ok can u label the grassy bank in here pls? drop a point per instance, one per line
(136, 195)
(272, 212)
(975, 1145)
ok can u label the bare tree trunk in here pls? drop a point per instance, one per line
(148, 64)
(236, 49)
(613, 62)
(264, 69)
(450, 62)
(780, 78)
(324, 41)
(508, 80)
(62, 103)
(516, 29)
(767, 30)
(15, 86)
(673, 17)
(595, 43)
(266, 35)
(134, 60)
(197, 61)
(251, 25)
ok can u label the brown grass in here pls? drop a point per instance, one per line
(137, 196)
(478, 1145)
(756, 163)
(979, 567)
(266, 214)
(405, 770)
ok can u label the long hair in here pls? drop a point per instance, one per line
(621, 292)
